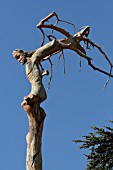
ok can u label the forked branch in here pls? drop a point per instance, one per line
(51, 26)
(55, 45)
(73, 42)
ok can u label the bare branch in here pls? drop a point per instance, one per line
(43, 36)
(98, 69)
(59, 58)
(53, 27)
(51, 36)
(99, 48)
(69, 23)
(80, 64)
(51, 74)
(64, 62)
(62, 55)
(108, 79)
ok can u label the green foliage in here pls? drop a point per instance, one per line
(100, 146)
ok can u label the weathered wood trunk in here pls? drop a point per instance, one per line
(34, 73)
(36, 116)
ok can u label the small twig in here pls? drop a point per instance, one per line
(97, 69)
(80, 64)
(43, 36)
(49, 37)
(50, 78)
(45, 73)
(59, 58)
(69, 23)
(108, 79)
(62, 55)
(64, 62)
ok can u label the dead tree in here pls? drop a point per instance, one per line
(35, 72)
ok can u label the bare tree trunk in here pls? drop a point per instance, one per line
(34, 73)
(36, 116)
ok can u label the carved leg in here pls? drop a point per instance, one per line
(30, 99)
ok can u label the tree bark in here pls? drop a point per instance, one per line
(36, 116)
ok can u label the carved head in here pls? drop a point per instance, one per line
(20, 56)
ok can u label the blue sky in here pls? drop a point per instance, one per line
(75, 101)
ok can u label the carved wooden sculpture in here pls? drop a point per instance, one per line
(36, 114)
(35, 72)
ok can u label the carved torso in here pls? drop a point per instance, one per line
(35, 77)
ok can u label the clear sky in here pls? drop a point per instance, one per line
(75, 101)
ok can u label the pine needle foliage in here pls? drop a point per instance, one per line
(100, 146)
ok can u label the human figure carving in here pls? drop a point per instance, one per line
(31, 105)
(34, 75)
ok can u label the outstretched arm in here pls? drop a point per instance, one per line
(44, 51)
